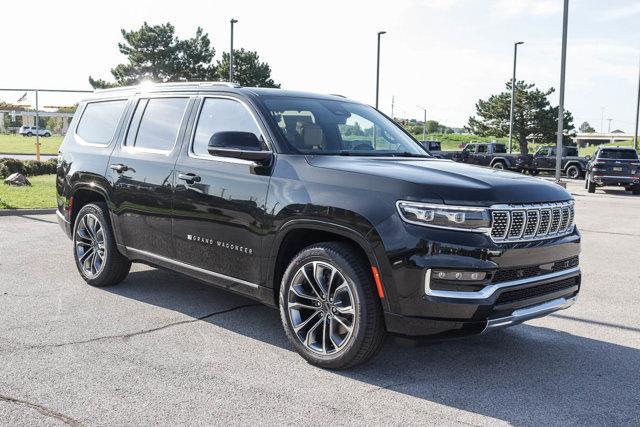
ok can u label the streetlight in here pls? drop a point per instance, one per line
(378, 68)
(233, 21)
(513, 93)
(424, 123)
(635, 134)
(563, 67)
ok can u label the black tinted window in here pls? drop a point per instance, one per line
(618, 154)
(158, 125)
(222, 115)
(499, 148)
(571, 152)
(99, 121)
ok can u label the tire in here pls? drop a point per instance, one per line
(47, 135)
(591, 186)
(29, 134)
(499, 165)
(353, 302)
(534, 172)
(573, 172)
(92, 236)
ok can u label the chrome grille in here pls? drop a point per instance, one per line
(517, 223)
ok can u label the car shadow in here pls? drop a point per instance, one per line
(522, 375)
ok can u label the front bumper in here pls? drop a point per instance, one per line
(416, 309)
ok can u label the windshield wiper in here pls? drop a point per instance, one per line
(407, 154)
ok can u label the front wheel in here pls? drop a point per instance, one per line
(329, 307)
(94, 248)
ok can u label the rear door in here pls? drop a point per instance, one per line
(219, 203)
(141, 172)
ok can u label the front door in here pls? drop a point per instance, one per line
(219, 202)
(140, 170)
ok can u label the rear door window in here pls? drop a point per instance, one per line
(156, 123)
(99, 121)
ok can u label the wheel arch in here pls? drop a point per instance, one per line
(503, 160)
(295, 235)
(83, 194)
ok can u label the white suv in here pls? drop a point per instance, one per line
(31, 131)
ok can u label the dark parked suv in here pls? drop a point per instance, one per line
(614, 167)
(320, 206)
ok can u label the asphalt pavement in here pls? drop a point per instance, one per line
(163, 349)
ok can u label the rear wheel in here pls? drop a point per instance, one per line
(94, 248)
(573, 172)
(534, 172)
(29, 134)
(329, 307)
(499, 165)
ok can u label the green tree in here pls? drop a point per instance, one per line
(533, 116)
(155, 53)
(585, 127)
(248, 70)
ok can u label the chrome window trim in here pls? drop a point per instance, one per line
(191, 267)
(133, 149)
(192, 137)
(81, 141)
(489, 290)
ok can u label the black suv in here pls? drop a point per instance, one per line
(614, 167)
(320, 206)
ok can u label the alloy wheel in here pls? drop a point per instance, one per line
(321, 307)
(90, 247)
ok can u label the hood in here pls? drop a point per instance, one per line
(454, 183)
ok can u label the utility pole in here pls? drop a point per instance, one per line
(513, 94)
(424, 123)
(378, 68)
(233, 21)
(392, 105)
(563, 68)
(602, 121)
(610, 120)
(635, 134)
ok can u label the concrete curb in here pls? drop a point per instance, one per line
(18, 212)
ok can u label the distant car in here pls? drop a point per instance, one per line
(31, 131)
(614, 166)
(544, 160)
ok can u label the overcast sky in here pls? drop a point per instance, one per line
(441, 54)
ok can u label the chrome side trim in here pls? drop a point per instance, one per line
(190, 267)
(528, 313)
(491, 289)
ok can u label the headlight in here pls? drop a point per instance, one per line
(444, 216)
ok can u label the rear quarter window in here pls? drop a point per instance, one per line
(99, 121)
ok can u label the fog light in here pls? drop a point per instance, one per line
(458, 275)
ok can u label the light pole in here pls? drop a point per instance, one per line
(233, 21)
(513, 94)
(635, 134)
(378, 68)
(424, 122)
(563, 67)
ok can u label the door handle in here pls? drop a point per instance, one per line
(119, 167)
(189, 178)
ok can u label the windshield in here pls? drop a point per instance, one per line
(618, 154)
(317, 126)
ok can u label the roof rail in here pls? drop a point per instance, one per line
(154, 85)
(337, 94)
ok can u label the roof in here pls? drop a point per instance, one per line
(209, 86)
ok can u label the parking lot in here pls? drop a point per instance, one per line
(163, 349)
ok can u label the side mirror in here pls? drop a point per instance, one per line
(238, 145)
